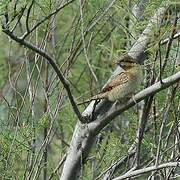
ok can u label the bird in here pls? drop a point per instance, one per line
(124, 84)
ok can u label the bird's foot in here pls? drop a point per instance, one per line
(133, 98)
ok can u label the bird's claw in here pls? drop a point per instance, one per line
(133, 98)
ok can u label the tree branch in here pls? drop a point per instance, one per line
(52, 62)
(46, 18)
(116, 109)
(85, 134)
(148, 169)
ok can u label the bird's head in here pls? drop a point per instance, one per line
(127, 62)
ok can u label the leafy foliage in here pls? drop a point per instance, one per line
(34, 102)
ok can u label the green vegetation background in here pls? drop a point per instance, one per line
(104, 49)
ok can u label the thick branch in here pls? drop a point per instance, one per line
(84, 135)
(148, 169)
(137, 49)
(116, 109)
(53, 64)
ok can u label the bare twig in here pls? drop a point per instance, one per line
(58, 166)
(54, 66)
(28, 14)
(46, 18)
(142, 127)
(84, 44)
(105, 112)
(169, 43)
(164, 119)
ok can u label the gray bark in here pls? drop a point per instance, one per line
(85, 134)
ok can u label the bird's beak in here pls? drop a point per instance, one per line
(116, 63)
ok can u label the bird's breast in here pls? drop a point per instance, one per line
(126, 89)
(118, 92)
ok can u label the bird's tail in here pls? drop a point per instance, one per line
(96, 97)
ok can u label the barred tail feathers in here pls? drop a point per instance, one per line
(99, 96)
(96, 97)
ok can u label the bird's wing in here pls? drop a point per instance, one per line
(119, 79)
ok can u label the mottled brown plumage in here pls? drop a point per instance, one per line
(125, 83)
(120, 79)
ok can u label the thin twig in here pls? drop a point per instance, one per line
(83, 40)
(46, 18)
(54, 66)
(58, 166)
(28, 14)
